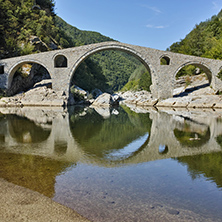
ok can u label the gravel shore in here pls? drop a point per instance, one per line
(21, 204)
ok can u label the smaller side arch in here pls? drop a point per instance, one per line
(2, 69)
(165, 60)
(60, 61)
(13, 69)
(200, 65)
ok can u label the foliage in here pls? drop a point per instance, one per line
(139, 80)
(208, 165)
(80, 37)
(204, 40)
(89, 76)
(192, 139)
(99, 137)
(20, 20)
(187, 70)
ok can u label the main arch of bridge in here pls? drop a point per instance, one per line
(62, 64)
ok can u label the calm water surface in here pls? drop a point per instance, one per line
(118, 165)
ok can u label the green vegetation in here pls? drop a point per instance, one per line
(80, 37)
(207, 164)
(21, 21)
(139, 80)
(189, 138)
(204, 40)
(99, 137)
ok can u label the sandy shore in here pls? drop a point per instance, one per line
(21, 204)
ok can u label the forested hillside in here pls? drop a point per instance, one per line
(204, 40)
(28, 26)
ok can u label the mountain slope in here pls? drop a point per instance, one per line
(204, 40)
(21, 22)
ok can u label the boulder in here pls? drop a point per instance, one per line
(103, 100)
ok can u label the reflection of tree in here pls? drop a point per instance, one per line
(33, 172)
(192, 138)
(207, 164)
(98, 136)
(26, 131)
(219, 140)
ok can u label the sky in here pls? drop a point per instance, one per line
(150, 23)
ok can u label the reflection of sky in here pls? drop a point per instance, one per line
(128, 149)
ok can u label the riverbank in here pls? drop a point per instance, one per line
(21, 204)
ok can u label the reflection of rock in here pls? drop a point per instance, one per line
(115, 112)
(103, 111)
(27, 138)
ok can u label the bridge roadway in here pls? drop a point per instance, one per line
(60, 144)
(62, 64)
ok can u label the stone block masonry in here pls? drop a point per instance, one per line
(62, 64)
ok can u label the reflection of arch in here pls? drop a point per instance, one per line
(26, 131)
(17, 65)
(119, 48)
(163, 149)
(165, 60)
(202, 66)
(99, 138)
(191, 138)
(60, 147)
(60, 61)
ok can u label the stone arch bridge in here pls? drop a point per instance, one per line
(62, 64)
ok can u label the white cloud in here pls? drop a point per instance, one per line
(153, 8)
(156, 27)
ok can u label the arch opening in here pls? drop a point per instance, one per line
(165, 60)
(60, 61)
(130, 134)
(2, 71)
(25, 75)
(192, 133)
(115, 66)
(192, 78)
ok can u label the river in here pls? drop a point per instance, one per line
(119, 164)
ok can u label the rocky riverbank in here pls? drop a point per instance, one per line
(197, 95)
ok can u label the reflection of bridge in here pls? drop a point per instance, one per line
(61, 65)
(60, 144)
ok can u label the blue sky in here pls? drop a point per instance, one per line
(150, 23)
